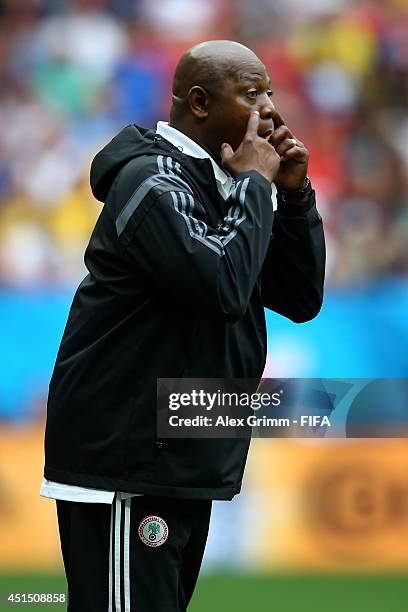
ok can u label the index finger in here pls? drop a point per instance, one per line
(252, 127)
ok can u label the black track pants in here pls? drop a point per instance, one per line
(141, 554)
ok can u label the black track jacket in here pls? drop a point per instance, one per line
(177, 284)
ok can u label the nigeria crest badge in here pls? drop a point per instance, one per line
(153, 531)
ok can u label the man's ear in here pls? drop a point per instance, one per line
(198, 101)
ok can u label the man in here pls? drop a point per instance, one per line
(181, 263)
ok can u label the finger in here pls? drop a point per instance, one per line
(295, 153)
(280, 134)
(268, 138)
(226, 152)
(285, 145)
(252, 127)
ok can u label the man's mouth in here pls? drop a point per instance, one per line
(265, 134)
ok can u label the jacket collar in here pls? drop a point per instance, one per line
(190, 147)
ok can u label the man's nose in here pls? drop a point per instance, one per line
(267, 110)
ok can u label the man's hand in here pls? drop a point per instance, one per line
(254, 153)
(294, 157)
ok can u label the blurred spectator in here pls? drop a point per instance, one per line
(74, 72)
(85, 35)
(182, 19)
(140, 82)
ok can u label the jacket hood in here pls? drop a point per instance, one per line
(131, 142)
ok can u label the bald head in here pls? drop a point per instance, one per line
(208, 65)
(216, 86)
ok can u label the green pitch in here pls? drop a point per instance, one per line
(253, 593)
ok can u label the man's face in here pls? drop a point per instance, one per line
(246, 90)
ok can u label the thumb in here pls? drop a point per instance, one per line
(226, 152)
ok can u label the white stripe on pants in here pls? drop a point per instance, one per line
(119, 555)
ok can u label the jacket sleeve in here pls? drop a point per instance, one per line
(166, 236)
(293, 272)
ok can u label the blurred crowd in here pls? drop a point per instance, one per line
(73, 73)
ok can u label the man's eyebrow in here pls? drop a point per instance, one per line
(246, 77)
